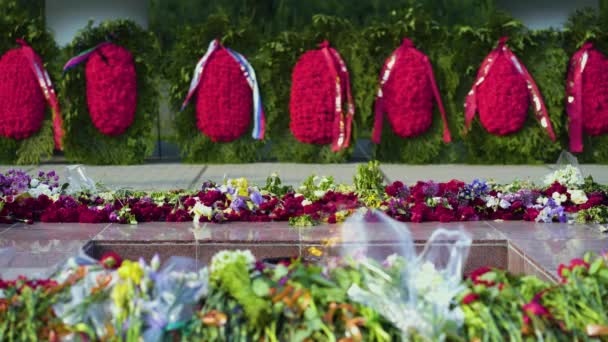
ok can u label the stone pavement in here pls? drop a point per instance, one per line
(166, 176)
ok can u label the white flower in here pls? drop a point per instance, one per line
(200, 210)
(319, 193)
(491, 201)
(41, 189)
(542, 200)
(306, 202)
(34, 182)
(559, 198)
(504, 204)
(106, 196)
(226, 257)
(577, 196)
(570, 176)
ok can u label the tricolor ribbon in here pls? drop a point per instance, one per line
(574, 96)
(539, 106)
(44, 81)
(342, 122)
(248, 73)
(82, 57)
(258, 110)
(389, 64)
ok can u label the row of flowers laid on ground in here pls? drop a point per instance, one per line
(565, 197)
(240, 299)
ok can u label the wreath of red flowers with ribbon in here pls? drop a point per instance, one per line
(320, 82)
(23, 93)
(111, 86)
(502, 93)
(406, 92)
(226, 89)
(587, 95)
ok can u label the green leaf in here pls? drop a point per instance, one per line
(595, 266)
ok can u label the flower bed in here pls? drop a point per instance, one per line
(239, 298)
(565, 197)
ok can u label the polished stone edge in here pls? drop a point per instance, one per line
(497, 246)
(532, 267)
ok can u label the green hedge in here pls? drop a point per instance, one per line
(18, 21)
(83, 143)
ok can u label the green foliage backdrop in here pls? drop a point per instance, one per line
(83, 142)
(20, 20)
(272, 34)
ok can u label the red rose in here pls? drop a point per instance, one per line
(111, 260)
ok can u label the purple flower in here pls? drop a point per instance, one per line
(478, 188)
(283, 281)
(430, 189)
(114, 217)
(238, 204)
(260, 266)
(14, 182)
(257, 198)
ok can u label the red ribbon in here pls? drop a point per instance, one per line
(44, 81)
(574, 97)
(342, 122)
(536, 97)
(379, 109)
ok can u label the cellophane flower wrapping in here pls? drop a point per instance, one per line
(420, 299)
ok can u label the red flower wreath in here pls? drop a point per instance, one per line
(223, 99)
(407, 92)
(111, 89)
(22, 103)
(319, 87)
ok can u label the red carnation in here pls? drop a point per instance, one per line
(469, 298)
(478, 273)
(574, 263)
(111, 89)
(111, 260)
(556, 187)
(531, 214)
(534, 308)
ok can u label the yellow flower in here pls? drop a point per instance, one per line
(121, 293)
(342, 215)
(131, 270)
(314, 251)
(241, 185)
